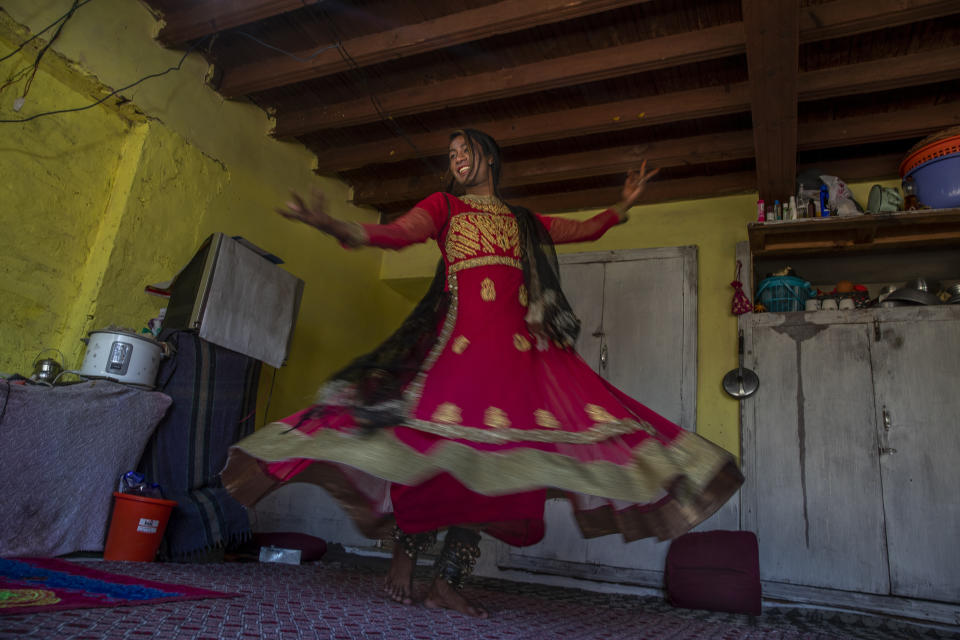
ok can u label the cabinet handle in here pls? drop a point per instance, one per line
(887, 450)
(603, 356)
(876, 331)
(886, 419)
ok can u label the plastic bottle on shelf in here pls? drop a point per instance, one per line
(824, 199)
(910, 201)
(777, 210)
(761, 211)
(793, 207)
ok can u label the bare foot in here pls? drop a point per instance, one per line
(399, 582)
(442, 595)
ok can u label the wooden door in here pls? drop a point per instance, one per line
(918, 410)
(638, 310)
(813, 493)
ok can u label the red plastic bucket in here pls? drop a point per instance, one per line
(136, 527)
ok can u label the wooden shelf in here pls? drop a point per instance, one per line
(866, 233)
(872, 249)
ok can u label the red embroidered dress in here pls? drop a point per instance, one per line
(494, 419)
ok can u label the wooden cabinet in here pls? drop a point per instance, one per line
(851, 446)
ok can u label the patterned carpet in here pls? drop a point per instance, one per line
(342, 600)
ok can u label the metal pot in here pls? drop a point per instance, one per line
(46, 370)
(122, 356)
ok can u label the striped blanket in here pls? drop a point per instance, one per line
(214, 393)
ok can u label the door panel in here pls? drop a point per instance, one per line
(583, 286)
(918, 404)
(643, 301)
(819, 512)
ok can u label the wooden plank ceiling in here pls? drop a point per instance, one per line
(726, 96)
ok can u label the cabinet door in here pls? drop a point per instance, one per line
(583, 286)
(813, 494)
(918, 405)
(640, 306)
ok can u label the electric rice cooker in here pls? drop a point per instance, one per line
(122, 356)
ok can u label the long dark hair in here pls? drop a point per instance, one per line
(372, 385)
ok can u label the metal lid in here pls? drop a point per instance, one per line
(915, 296)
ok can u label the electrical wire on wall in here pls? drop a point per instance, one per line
(64, 17)
(62, 21)
(326, 22)
(36, 63)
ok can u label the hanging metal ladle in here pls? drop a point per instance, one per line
(741, 383)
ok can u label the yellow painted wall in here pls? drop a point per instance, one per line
(57, 178)
(105, 201)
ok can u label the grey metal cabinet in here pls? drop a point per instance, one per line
(638, 310)
(850, 448)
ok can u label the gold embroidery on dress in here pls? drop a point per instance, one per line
(479, 233)
(597, 433)
(598, 413)
(520, 342)
(496, 418)
(460, 344)
(546, 419)
(488, 292)
(520, 467)
(491, 204)
(447, 413)
(522, 295)
(485, 261)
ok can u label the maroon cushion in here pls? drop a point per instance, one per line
(311, 547)
(714, 570)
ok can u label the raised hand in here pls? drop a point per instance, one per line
(635, 184)
(315, 215)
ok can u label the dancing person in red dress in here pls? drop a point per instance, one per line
(467, 415)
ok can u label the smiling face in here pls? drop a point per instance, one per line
(469, 166)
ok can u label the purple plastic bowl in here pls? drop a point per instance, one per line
(938, 182)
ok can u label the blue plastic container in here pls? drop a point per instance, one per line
(784, 293)
(938, 182)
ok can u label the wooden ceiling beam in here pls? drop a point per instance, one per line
(211, 16)
(772, 32)
(628, 114)
(878, 127)
(506, 16)
(890, 73)
(924, 67)
(898, 125)
(836, 19)
(845, 18)
(612, 62)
